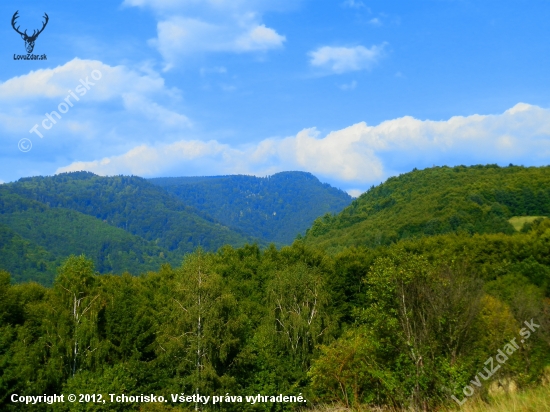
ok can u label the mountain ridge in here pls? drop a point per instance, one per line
(274, 208)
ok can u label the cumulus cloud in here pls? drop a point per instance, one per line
(259, 38)
(189, 27)
(145, 160)
(346, 59)
(356, 155)
(55, 83)
(120, 108)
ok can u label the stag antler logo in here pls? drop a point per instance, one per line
(29, 40)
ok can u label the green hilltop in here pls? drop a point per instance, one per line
(439, 200)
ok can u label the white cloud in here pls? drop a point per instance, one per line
(121, 109)
(355, 192)
(152, 111)
(346, 59)
(259, 38)
(56, 82)
(188, 27)
(376, 22)
(147, 160)
(205, 6)
(356, 155)
(349, 86)
(354, 4)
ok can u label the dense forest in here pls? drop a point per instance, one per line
(129, 224)
(129, 203)
(274, 208)
(409, 321)
(477, 199)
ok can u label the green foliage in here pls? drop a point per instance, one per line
(128, 224)
(25, 260)
(477, 199)
(275, 208)
(58, 233)
(520, 221)
(419, 325)
(203, 326)
(406, 324)
(126, 202)
(349, 372)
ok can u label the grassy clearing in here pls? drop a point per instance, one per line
(532, 400)
(519, 221)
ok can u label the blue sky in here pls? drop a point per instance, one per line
(351, 91)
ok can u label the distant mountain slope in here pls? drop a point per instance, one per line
(274, 208)
(477, 199)
(131, 204)
(25, 260)
(60, 232)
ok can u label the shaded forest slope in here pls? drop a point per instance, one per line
(132, 204)
(274, 208)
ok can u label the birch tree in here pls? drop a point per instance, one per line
(76, 303)
(201, 324)
(297, 302)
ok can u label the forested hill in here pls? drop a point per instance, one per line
(121, 223)
(35, 238)
(132, 204)
(126, 223)
(477, 199)
(24, 259)
(275, 208)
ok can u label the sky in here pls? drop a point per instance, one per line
(353, 91)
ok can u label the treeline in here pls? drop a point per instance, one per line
(407, 325)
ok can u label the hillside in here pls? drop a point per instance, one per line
(31, 229)
(274, 208)
(477, 199)
(25, 260)
(132, 204)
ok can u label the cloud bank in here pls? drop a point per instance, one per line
(355, 156)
